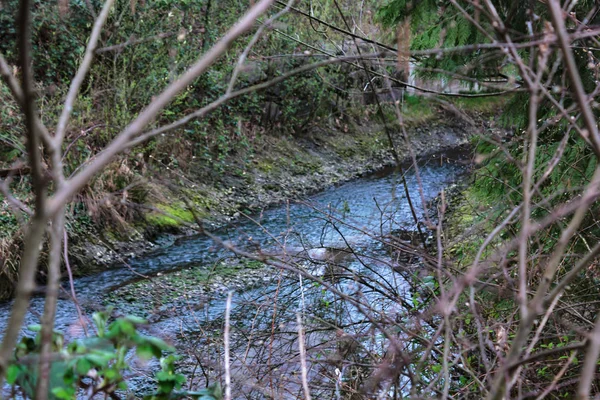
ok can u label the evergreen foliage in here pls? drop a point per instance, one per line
(438, 24)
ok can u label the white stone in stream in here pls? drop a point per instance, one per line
(319, 253)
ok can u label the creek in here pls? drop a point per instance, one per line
(345, 220)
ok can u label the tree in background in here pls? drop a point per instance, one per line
(179, 84)
(53, 190)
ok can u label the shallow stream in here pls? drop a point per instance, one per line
(344, 219)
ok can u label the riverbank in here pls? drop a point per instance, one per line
(153, 210)
(285, 168)
(181, 289)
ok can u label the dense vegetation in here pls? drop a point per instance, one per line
(501, 295)
(542, 134)
(141, 52)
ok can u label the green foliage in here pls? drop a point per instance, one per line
(58, 38)
(436, 24)
(169, 384)
(98, 364)
(121, 82)
(170, 216)
(11, 125)
(415, 109)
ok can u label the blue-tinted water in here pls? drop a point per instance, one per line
(352, 212)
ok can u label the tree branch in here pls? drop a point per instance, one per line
(580, 96)
(82, 71)
(76, 183)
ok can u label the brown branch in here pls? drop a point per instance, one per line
(19, 96)
(403, 83)
(58, 220)
(37, 226)
(82, 71)
(335, 28)
(580, 95)
(590, 363)
(253, 41)
(226, 97)
(542, 355)
(51, 300)
(132, 42)
(18, 171)
(147, 115)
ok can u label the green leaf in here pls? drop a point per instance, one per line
(13, 373)
(165, 386)
(63, 393)
(159, 343)
(34, 328)
(112, 374)
(100, 359)
(95, 343)
(146, 351)
(164, 376)
(179, 380)
(100, 319)
(83, 366)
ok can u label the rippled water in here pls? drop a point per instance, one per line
(366, 203)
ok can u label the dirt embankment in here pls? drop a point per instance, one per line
(284, 168)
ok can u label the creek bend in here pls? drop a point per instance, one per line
(339, 224)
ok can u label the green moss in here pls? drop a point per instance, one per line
(416, 110)
(265, 166)
(471, 217)
(178, 286)
(481, 104)
(170, 216)
(305, 166)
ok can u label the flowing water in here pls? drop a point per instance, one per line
(324, 226)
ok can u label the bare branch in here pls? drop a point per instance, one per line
(37, 225)
(257, 35)
(580, 96)
(590, 364)
(82, 71)
(19, 96)
(303, 367)
(227, 347)
(226, 97)
(75, 184)
(132, 42)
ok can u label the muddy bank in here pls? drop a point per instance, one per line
(285, 168)
(279, 168)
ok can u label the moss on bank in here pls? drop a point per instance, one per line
(467, 224)
(169, 216)
(140, 197)
(153, 298)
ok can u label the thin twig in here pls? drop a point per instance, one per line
(82, 71)
(302, 349)
(226, 344)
